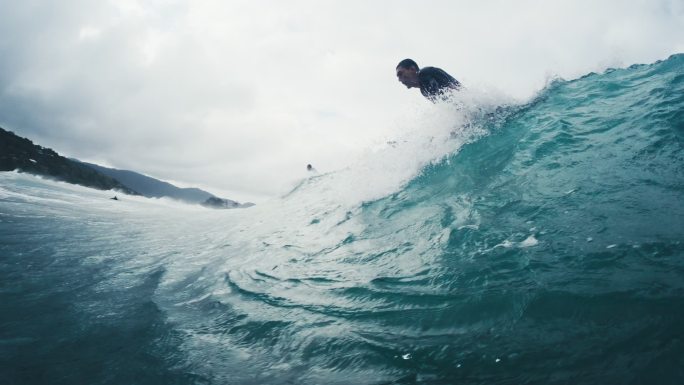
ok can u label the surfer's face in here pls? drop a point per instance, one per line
(408, 76)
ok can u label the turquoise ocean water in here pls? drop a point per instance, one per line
(512, 244)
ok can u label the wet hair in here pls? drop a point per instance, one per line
(408, 63)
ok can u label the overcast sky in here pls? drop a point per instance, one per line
(238, 96)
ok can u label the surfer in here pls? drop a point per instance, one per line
(433, 82)
(311, 168)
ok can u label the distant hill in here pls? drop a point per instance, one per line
(218, 203)
(150, 187)
(21, 154)
(17, 153)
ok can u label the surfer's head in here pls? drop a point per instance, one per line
(407, 73)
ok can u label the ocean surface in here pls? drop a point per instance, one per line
(487, 243)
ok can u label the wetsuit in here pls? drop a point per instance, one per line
(434, 82)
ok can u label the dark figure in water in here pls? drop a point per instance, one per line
(310, 168)
(115, 198)
(433, 82)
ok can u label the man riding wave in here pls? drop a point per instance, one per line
(433, 82)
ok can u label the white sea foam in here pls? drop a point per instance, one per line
(529, 242)
(425, 137)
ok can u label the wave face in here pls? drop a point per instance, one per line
(531, 244)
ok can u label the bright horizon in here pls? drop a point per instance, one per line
(237, 98)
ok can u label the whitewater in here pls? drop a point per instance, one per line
(485, 243)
